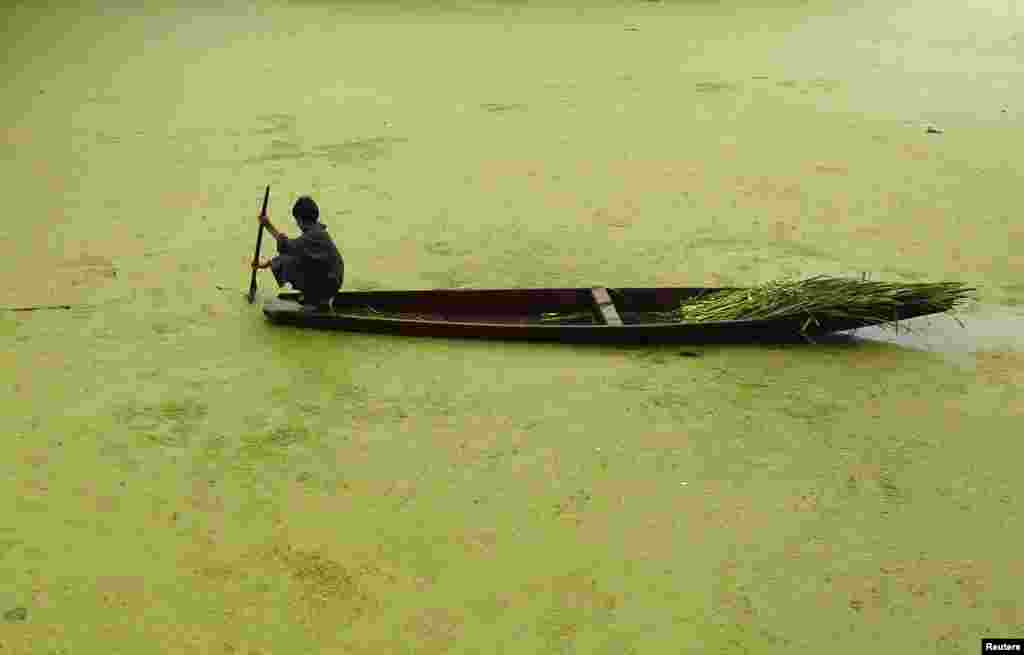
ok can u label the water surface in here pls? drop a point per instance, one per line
(178, 471)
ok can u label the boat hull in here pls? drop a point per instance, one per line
(515, 315)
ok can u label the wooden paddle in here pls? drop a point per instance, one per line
(259, 241)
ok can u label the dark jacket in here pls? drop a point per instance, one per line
(310, 262)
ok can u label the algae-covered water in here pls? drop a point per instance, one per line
(179, 476)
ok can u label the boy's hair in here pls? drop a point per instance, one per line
(305, 210)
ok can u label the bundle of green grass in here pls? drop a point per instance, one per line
(825, 297)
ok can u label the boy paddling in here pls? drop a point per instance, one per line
(311, 262)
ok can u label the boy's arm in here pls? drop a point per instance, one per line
(284, 244)
(274, 232)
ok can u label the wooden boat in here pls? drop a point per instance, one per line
(596, 315)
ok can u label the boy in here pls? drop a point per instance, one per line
(311, 262)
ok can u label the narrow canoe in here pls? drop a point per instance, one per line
(602, 315)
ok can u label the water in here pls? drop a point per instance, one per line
(178, 470)
(988, 329)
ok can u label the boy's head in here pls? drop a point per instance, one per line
(305, 211)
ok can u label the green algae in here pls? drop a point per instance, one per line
(482, 496)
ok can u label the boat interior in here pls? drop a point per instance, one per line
(596, 305)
